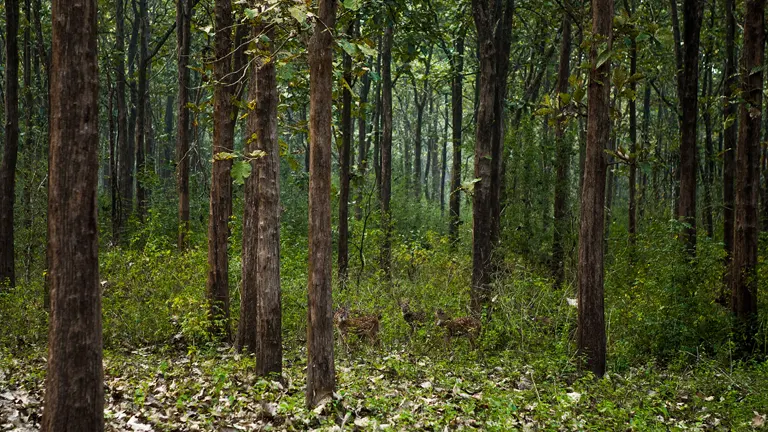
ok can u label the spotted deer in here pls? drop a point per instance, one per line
(461, 326)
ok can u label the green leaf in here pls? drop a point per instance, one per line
(251, 13)
(365, 49)
(352, 5)
(224, 156)
(603, 57)
(241, 170)
(348, 47)
(299, 13)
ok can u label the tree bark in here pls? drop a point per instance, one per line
(385, 190)
(457, 114)
(142, 94)
(344, 156)
(259, 330)
(590, 334)
(321, 379)
(562, 158)
(183, 36)
(632, 223)
(688, 94)
(730, 131)
(10, 152)
(74, 387)
(362, 144)
(444, 157)
(744, 277)
(217, 286)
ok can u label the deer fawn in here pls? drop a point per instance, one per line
(411, 317)
(462, 326)
(366, 326)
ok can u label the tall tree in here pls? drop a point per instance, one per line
(74, 387)
(345, 157)
(260, 300)
(590, 334)
(457, 113)
(632, 223)
(688, 84)
(420, 99)
(385, 188)
(563, 156)
(744, 278)
(217, 285)
(124, 147)
(183, 36)
(10, 152)
(142, 95)
(362, 142)
(730, 129)
(321, 379)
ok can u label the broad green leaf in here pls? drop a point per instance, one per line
(299, 13)
(241, 170)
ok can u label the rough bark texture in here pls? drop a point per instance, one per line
(385, 189)
(183, 34)
(457, 113)
(321, 378)
(345, 157)
(590, 334)
(74, 392)
(10, 152)
(220, 210)
(688, 94)
(730, 132)
(744, 280)
(259, 330)
(562, 160)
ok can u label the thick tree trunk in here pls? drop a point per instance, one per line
(385, 190)
(11, 148)
(457, 114)
(562, 158)
(321, 376)
(183, 35)
(259, 330)
(730, 131)
(590, 334)
(217, 286)
(345, 157)
(74, 387)
(744, 278)
(688, 94)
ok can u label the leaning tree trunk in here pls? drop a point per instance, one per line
(590, 334)
(563, 158)
(217, 286)
(74, 385)
(183, 36)
(321, 379)
(10, 152)
(385, 189)
(259, 330)
(744, 278)
(457, 113)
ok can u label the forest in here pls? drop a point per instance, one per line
(249, 215)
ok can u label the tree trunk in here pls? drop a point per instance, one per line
(142, 94)
(562, 158)
(362, 144)
(444, 158)
(385, 191)
(217, 286)
(166, 158)
(420, 103)
(632, 223)
(124, 152)
(709, 151)
(688, 94)
(344, 156)
(590, 334)
(730, 131)
(321, 376)
(434, 184)
(74, 385)
(377, 121)
(744, 278)
(457, 114)
(10, 152)
(183, 36)
(260, 300)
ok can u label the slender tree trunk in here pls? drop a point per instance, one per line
(385, 191)
(321, 379)
(11, 148)
(74, 387)
(344, 156)
(362, 144)
(166, 159)
(124, 155)
(142, 94)
(457, 114)
(744, 277)
(260, 300)
(590, 334)
(562, 158)
(709, 150)
(688, 94)
(377, 121)
(417, 151)
(633, 153)
(730, 132)
(434, 185)
(183, 36)
(444, 158)
(217, 286)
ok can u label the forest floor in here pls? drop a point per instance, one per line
(216, 390)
